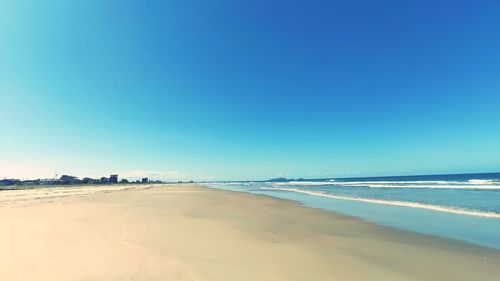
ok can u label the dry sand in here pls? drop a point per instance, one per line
(187, 232)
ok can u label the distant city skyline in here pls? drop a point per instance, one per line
(232, 90)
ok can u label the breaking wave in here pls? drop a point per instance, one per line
(438, 208)
(471, 184)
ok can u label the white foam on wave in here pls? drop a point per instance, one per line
(333, 182)
(423, 186)
(473, 181)
(305, 183)
(394, 203)
(400, 184)
(238, 183)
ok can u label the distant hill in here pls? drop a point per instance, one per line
(284, 180)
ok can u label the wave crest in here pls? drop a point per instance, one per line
(395, 203)
(471, 184)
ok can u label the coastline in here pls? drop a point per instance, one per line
(362, 220)
(191, 232)
(441, 220)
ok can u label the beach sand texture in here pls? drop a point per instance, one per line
(188, 232)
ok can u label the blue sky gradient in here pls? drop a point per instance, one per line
(249, 89)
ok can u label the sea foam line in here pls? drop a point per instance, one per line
(395, 203)
(386, 184)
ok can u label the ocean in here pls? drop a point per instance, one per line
(464, 207)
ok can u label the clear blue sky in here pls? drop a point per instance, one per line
(249, 89)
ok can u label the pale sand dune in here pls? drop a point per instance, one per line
(193, 233)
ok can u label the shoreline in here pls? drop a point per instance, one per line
(437, 208)
(478, 230)
(193, 232)
(362, 220)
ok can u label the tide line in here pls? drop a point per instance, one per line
(395, 203)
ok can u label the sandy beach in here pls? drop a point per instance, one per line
(189, 232)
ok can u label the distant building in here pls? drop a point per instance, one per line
(87, 180)
(50, 181)
(144, 180)
(123, 181)
(113, 179)
(65, 179)
(9, 181)
(104, 180)
(31, 182)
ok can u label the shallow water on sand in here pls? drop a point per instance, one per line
(463, 207)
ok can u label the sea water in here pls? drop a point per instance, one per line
(464, 207)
